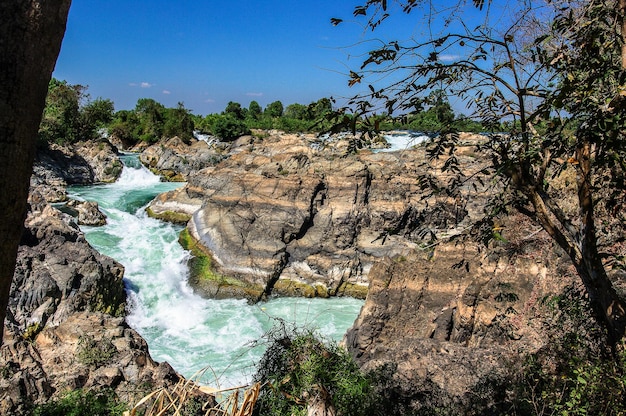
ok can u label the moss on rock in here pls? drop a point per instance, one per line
(207, 281)
(169, 216)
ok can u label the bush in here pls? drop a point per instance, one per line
(93, 353)
(81, 402)
(300, 371)
(228, 128)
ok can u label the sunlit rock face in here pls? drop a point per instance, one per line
(296, 214)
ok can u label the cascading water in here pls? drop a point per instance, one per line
(190, 332)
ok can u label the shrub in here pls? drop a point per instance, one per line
(82, 402)
(93, 353)
(300, 371)
(228, 128)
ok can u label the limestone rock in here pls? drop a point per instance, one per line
(58, 273)
(293, 214)
(103, 159)
(86, 212)
(174, 160)
(441, 330)
(56, 167)
(65, 327)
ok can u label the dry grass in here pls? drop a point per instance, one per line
(173, 401)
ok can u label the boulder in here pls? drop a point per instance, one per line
(86, 212)
(58, 273)
(85, 163)
(174, 160)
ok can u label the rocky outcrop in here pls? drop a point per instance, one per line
(174, 160)
(56, 167)
(445, 324)
(85, 212)
(292, 214)
(65, 324)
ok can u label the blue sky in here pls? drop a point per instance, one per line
(206, 53)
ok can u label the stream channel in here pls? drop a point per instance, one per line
(221, 339)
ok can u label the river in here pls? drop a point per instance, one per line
(223, 337)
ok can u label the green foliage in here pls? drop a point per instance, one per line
(235, 111)
(95, 353)
(61, 117)
(254, 110)
(70, 116)
(178, 122)
(274, 110)
(31, 331)
(151, 115)
(297, 366)
(229, 128)
(81, 403)
(573, 374)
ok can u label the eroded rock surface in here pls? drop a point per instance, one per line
(293, 214)
(84, 163)
(446, 324)
(175, 160)
(65, 325)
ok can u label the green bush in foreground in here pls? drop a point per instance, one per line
(81, 403)
(301, 372)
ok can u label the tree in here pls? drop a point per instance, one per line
(60, 122)
(31, 33)
(254, 110)
(234, 110)
(297, 111)
(151, 116)
(178, 122)
(274, 109)
(229, 128)
(560, 88)
(95, 115)
(321, 108)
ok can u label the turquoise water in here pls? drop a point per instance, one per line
(191, 333)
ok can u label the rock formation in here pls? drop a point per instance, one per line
(84, 163)
(174, 160)
(451, 328)
(292, 214)
(65, 322)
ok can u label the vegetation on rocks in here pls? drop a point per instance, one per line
(300, 375)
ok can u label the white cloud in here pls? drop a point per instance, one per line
(142, 85)
(166, 92)
(254, 94)
(448, 58)
(209, 100)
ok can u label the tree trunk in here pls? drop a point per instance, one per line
(31, 32)
(622, 9)
(580, 244)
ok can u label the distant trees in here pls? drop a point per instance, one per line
(237, 120)
(274, 110)
(69, 115)
(151, 121)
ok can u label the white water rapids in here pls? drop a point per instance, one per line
(190, 332)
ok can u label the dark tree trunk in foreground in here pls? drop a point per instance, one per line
(31, 32)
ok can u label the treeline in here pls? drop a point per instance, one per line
(70, 115)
